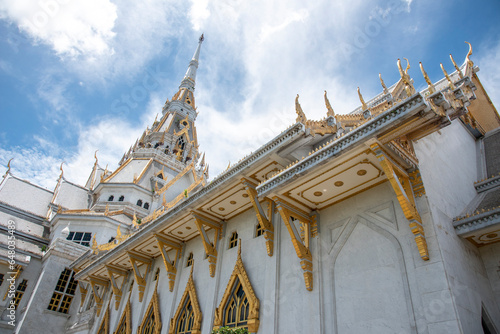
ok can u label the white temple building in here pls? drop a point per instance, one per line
(385, 219)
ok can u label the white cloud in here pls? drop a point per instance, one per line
(72, 28)
(489, 72)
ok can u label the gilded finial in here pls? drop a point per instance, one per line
(301, 117)
(383, 84)
(330, 111)
(228, 165)
(8, 166)
(164, 202)
(363, 104)
(456, 67)
(452, 86)
(467, 58)
(95, 156)
(134, 220)
(118, 233)
(405, 77)
(432, 89)
(62, 171)
(106, 210)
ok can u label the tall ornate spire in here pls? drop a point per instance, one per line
(190, 77)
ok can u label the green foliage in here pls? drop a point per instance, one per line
(227, 330)
(43, 248)
(185, 193)
(139, 221)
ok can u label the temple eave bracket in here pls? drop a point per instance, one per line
(301, 240)
(265, 221)
(163, 244)
(210, 247)
(402, 186)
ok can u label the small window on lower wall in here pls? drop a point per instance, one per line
(258, 230)
(21, 288)
(64, 292)
(1, 279)
(190, 260)
(233, 242)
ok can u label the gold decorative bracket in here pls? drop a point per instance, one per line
(83, 292)
(301, 243)
(95, 283)
(117, 288)
(164, 243)
(265, 221)
(137, 259)
(210, 247)
(400, 182)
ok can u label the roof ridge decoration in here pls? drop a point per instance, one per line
(316, 127)
(405, 77)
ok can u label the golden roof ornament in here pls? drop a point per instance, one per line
(106, 210)
(467, 58)
(301, 117)
(450, 82)
(330, 111)
(363, 104)
(95, 156)
(386, 91)
(432, 89)
(8, 167)
(456, 67)
(405, 77)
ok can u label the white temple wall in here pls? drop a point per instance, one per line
(448, 195)
(35, 319)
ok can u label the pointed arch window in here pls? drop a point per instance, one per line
(237, 309)
(187, 318)
(139, 203)
(111, 198)
(151, 323)
(104, 326)
(239, 306)
(125, 326)
(181, 143)
(121, 199)
(146, 205)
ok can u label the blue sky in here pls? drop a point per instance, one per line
(80, 76)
